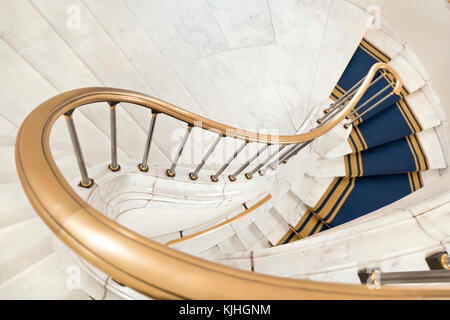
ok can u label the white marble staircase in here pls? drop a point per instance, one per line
(264, 75)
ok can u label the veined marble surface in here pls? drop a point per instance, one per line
(398, 241)
(249, 63)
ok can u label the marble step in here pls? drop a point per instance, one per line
(22, 245)
(399, 155)
(272, 225)
(6, 139)
(12, 212)
(263, 227)
(250, 236)
(414, 79)
(8, 171)
(346, 26)
(46, 279)
(232, 244)
(224, 237)
(7, 128)
(285, 206)
(426, 111)
(68, 60)
(23, 88)
(65, 161)
(403, 242)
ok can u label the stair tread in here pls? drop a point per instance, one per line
(22, 245)
(417, 152)
(286, 204)
(12, 212)
(373, 49)
(46, 279)
(7, 128)
(18, 238)
(8, 172)
(7, 164)
(250, 235)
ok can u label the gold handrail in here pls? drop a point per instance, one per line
(135, 261)
(224, 223)
(79, 97)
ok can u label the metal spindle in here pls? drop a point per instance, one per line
(194, 175)
(86, 182)
(215, 177)
(263, 171)
(368, 101)
(339, 104)
(275, 163)
(113, 166)
(367, 110)
(295, 231)
(336, 107)
(171, 172)
(332, 112)
(296, 148)
(339, 101)
(433, 276)
(250, 174)
(329, 115)
(376, 277)
(143, 166)
(295, 151)
(233, 176)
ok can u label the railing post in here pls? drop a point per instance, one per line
(143, 166)
(85, 182)
(233, 176)
(347, 96)
(295, 151)
(337, 106)
(171, 172)
(113, 166)
(367, 110)
(375, 277)
(250, 174)
(283, 155)
(215, 177)
(194, 175)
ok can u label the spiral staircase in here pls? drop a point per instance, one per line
(335, 161)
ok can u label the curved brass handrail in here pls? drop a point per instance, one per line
(135, 261)
(79, 97)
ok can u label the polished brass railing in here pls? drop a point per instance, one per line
(144, 265)
(333, 115)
